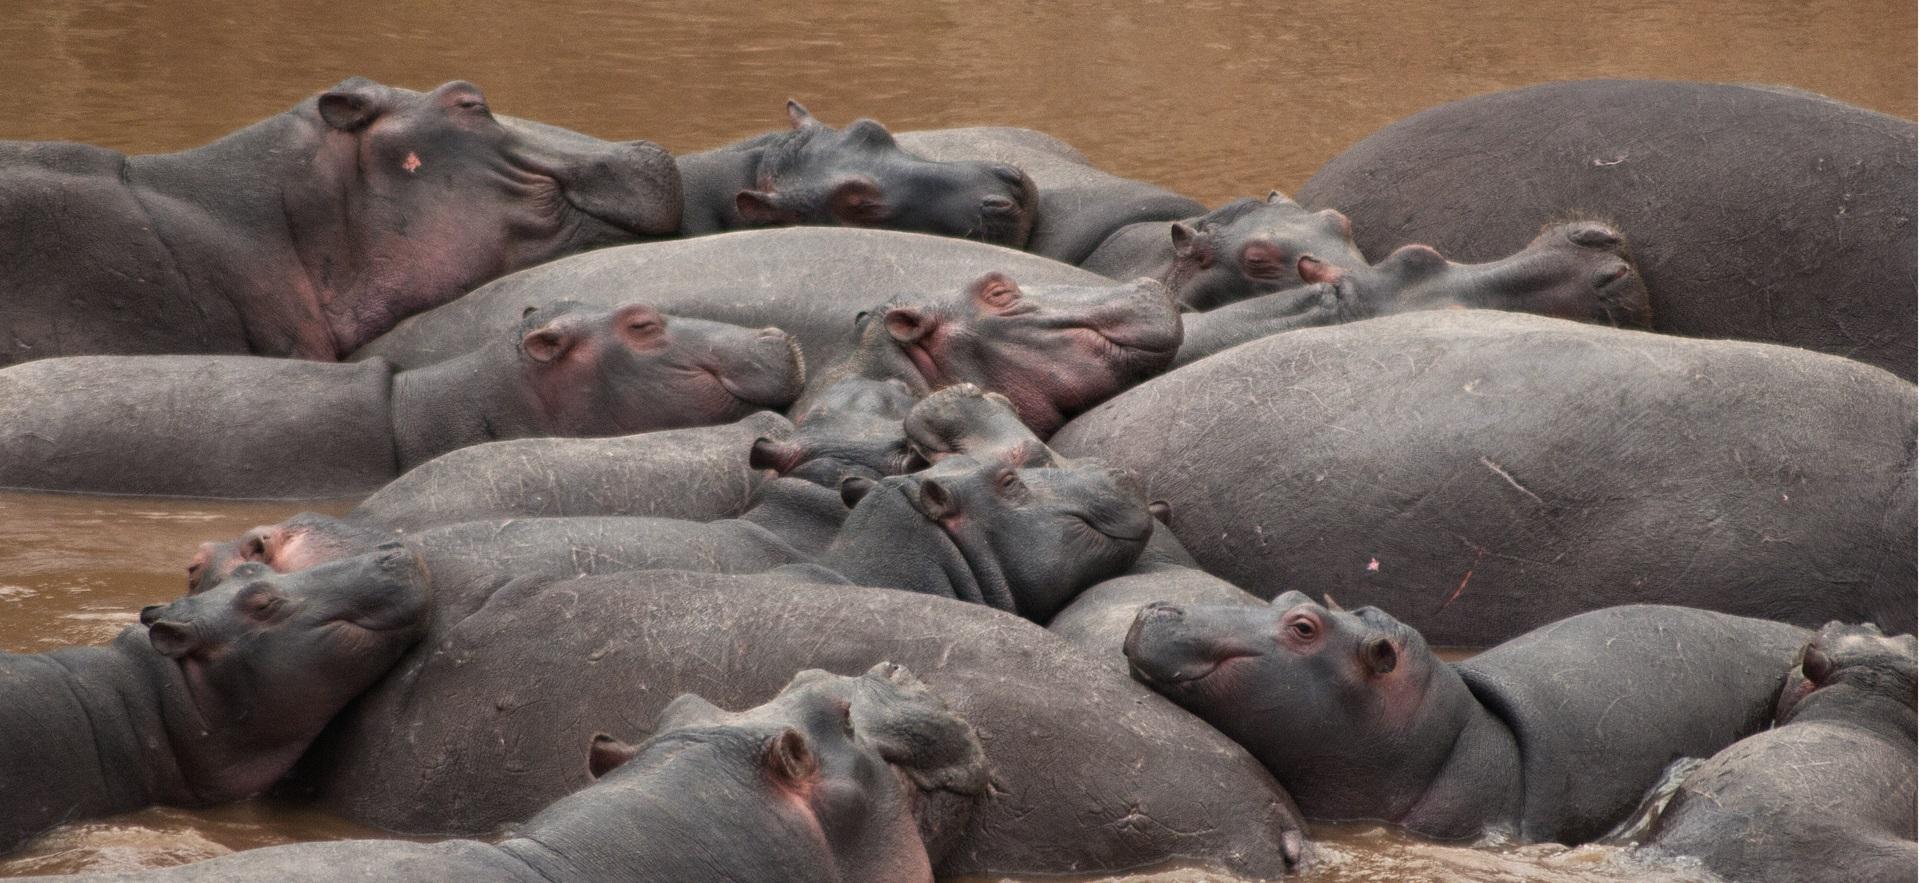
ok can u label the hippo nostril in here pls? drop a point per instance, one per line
(998, 205)
(772, 333)
(1008, 173)
(1611, 273)
(1593, 236)
(1162, 610)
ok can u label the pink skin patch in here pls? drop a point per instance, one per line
(1373, 565)
(412, 163)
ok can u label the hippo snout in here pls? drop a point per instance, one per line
(1594, 236)
(1158, 611)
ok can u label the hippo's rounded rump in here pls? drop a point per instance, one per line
(1754, 213)
(1484, 473)
(809, 281)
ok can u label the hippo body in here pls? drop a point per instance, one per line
(836, 780)
(248, 426)
(306, 234)
(809, 281)
(1120, 779)
(1080, 204)
(210, 699)
(1755, 213)
(1484, 473)
(1553, 736)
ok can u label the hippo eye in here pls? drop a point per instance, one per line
(1010, 483)
(1303, 628)
(1000, 295)
(474, 104)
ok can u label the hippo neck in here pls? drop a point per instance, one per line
(134, 700)
(1479, 785)
(709, 182)
(887, 543)
(1885, 716)
(476, 398)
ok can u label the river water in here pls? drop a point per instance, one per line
(1213, 98)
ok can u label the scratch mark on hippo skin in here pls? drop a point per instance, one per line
(1510, 480)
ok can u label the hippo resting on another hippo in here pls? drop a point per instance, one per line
(1484, 473)
(1552, 736)
(212, 698)
(834, 780)
(1828, 794)
(306, 234)
(1755, 213)
(1092, 772)
(250, 426)
(856, 177)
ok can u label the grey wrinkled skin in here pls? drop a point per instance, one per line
(308, 233)
(1080, 205)
(247, 426)
(1091, 771)
(1483, 473)
(1828, 795)
(835, 780)
(1755, 213)
(1553, 736)
(808, 281)
(1097, 620)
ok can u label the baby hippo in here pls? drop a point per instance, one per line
(212, 698)
(1552, 736)
(241, 426)
(836, 780)
(1826, 795)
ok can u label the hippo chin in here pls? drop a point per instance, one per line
(212, 698)
(1552, 736)
(858, 177)
(309, 233)
(244, 426)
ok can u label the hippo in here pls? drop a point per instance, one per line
(1756, 213)
(248, 426)
(834, 780)
(1828, 794)
(1552, 736)
(699, 473)
(1080, 205)
(849, 428)
(1580, 271)
(1097, 620)
(1245, 248)
(809, 281)
(211, 698)
(1091, 772)
(856, 177)
(1053, 351)
(306, 234)
(1483, 473)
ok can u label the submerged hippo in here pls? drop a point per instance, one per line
(834, 780)
(245, 426)
(1756, 213)
(1483, 473)
(1552, 736)
(1580, 271)
(1091, 772)
(809, 281)
(306, 234)
(856, 177)
(1828, 794)
(212, 698)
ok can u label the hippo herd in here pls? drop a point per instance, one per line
(845, 505)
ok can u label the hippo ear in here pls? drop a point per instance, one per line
(1380, 655)
(798, 115)
(853, 489)
(907, 324)
(777, 455)
(1161, 511)
(1314, 270)
(789, 760)
(761, 207)
(350, 106)
(1187, 246)
(1275, 197)
(606, 754)
(173, 639)
(547, 344)
(936, 501)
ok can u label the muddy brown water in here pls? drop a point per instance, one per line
(1213, 98)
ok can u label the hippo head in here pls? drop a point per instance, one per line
(860, 177)
(1332, 701)
(632, 369)
(965, 420)
(306, 540)
(874, 771)
(1022, 540)
(1846, 664)
(852, 429)
(1053, 351)
(1580, 271)
(412, 199)
(1250, 247)
(267, 659)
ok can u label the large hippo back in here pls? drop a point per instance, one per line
(1483, 473)
(1754, 213)
(808, 281)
